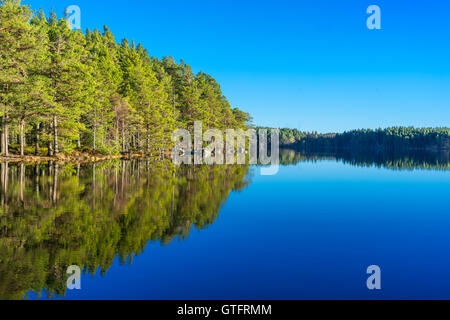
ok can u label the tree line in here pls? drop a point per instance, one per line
(389, 139)
(64, 90)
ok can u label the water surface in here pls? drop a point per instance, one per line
(150, 231)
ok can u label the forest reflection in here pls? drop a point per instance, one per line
(53, 216)
(410, 160)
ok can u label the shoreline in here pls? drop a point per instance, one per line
(64, 158)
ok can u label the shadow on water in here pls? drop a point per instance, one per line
(53, 216)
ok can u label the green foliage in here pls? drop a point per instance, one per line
(62, 89)
(390, 139)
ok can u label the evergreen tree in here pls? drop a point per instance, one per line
(19, 53)
(62, 89)
(70, 90)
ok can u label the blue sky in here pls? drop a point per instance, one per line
(306, 64)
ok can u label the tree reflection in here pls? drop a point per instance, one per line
(410, 160)
(53, 216)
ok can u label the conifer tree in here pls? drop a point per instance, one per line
(68, 72)
(64, 89)
(18, 53)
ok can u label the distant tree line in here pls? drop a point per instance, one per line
(390, 139)
(62, 90)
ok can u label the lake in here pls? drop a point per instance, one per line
(142, 230)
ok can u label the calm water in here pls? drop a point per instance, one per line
(146, 231)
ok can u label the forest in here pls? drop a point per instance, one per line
(64, 90)
(390, 139)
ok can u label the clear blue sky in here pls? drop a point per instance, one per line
(306, 64)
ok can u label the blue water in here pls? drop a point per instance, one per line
(309, 232)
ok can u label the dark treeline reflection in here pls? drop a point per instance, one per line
(408, 160)
(53, 216)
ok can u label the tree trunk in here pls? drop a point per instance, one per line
(2, 139)
(55, 135)
(123, 136)
(50, 149)
(22, 136)
(5, 136)
(50, 146)
(94, 145)
(36, 142)
(137, 141)
(117, 134)
(94, 129)
(148, 139)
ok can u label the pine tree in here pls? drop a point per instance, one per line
(68, 73)
(63, 88)
(19, 53)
